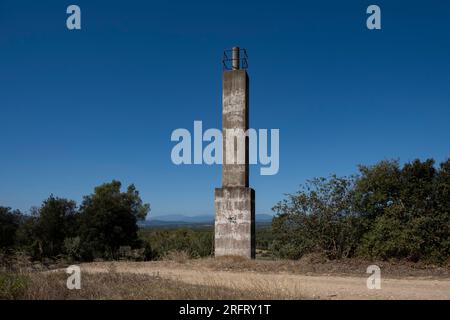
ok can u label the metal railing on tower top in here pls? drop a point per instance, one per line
(234, 59)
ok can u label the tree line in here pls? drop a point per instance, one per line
(385, 211)
(104, 223)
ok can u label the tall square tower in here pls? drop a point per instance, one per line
(235, 201)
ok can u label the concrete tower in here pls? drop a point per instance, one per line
(235, 201)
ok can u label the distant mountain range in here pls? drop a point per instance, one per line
(178, 219)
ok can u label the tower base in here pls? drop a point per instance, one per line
(235, 222)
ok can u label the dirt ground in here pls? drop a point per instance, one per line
(295, 280)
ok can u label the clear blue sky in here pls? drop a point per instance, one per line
(79, 108)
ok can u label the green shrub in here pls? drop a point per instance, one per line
(194, 242)
(108, 220)
(72, 248)
(387, 211)
(12, 286)
(9, 223)
(318, 218)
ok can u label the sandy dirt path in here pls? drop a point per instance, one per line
(291, 286)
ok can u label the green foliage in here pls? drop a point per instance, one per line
(12, 286)
(376, 188)
(414, 220)
(72, 248)
(9, 224)
(264, 237)
(108, 220)
(319, 217)
(57, 220)
(26, 236)
(389, 236)
(195, 242)
(387, 211)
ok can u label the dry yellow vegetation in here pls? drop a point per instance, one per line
(177, 277)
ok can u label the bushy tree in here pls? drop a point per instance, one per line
(56, 221)
(411, 223)
(376, 188)
(27, 240)
(442, 198)
(108, 220)
(442, 188)
(9, 223)
(318, 218)
(387, 211)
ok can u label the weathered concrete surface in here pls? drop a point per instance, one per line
(235, 221)
(235, 119)
(235, 201)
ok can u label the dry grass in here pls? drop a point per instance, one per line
(22, 279)
(316, 264)
(177, 256)
(124, 286)
(247, 285)
(177, 277)
(243, 276)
